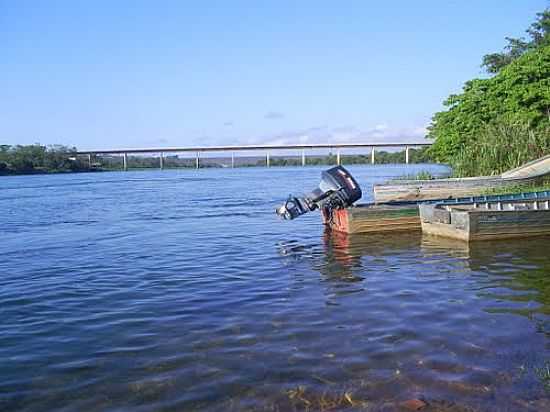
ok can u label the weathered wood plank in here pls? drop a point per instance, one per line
(443, 188)
(375, 219)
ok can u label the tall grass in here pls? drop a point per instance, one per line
(501, 147)
(543, 184)
(422, 175)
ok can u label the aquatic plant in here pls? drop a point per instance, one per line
(302, 399)
(543, 374)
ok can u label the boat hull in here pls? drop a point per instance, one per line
(375, 219)
(404, 216)
(489, 221)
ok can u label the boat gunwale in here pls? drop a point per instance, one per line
(535, 195)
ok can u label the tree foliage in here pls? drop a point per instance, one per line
(539, 34)
(38, 159)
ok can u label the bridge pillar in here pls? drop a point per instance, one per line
(89, 160)
(232, 160)
(267, 162)
(372, 155)
(303, 157)
(161, 160)
(407, 154)
(125, 161)
(338, 157)
(197, 163)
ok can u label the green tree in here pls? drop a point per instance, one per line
(539, 33)
(518, 95)
(39, 159)
(499, 122)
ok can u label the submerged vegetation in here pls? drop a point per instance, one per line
(502, 121)
(302, 399)
(543, 374)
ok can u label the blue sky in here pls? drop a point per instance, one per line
(103, 74)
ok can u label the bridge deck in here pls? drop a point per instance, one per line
(251, 147)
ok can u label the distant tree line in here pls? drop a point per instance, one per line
(55, 159)
(39, 159)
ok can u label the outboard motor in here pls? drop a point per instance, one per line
(337, 190)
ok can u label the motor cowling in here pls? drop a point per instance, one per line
(337, 190)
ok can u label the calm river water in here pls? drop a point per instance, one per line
(181, 290)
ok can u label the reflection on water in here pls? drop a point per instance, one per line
(142, 291)
(457, 325)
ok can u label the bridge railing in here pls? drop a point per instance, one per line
(268, 149)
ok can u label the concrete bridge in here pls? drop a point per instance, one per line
(267, 149)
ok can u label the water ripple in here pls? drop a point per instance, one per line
(182, 291)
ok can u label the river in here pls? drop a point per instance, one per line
(180, 290)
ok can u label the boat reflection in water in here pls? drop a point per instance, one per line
(518, 265)
(348, 257)
(458, 325)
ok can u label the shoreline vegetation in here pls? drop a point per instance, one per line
(502, 121)
(527, 187)
(38, 159)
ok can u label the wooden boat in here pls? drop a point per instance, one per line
(500, 219)
(404, 216)
(373, 218)
(409, 190)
